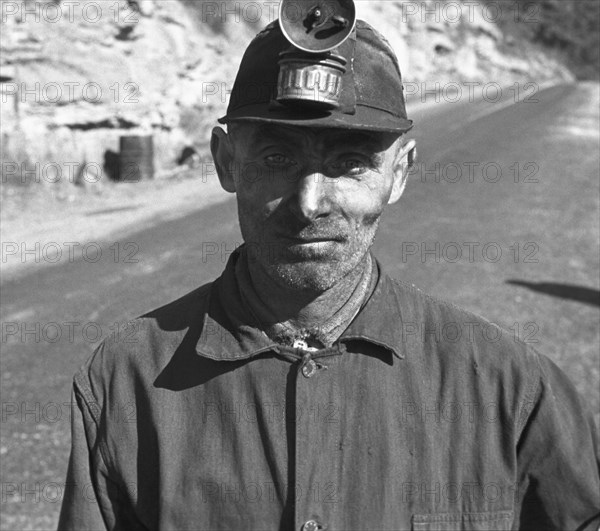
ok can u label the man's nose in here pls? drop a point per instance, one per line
(311, 200)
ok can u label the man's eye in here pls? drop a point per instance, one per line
(354, 166)
(278, 160)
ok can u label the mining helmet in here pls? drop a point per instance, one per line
(317, 66)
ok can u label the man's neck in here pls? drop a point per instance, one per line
(273, 303)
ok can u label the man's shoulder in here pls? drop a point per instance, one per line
(140, 347)
(416, 303)
(449, 333)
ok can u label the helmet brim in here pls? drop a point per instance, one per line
(364, 119)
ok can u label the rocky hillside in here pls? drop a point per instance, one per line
(75, 76)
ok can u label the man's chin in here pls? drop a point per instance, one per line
(315, 276)
(308, 267)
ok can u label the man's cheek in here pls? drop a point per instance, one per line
(251, 196)
(261, 192)
(254, 218)
(371, 219)
(368, 212)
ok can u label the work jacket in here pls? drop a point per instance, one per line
(421, 416)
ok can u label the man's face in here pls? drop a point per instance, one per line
(310, 200)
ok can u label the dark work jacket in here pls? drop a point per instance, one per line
(423, 417)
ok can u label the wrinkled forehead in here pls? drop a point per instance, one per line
(254, 135)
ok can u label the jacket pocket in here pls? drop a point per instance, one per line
(494, 521)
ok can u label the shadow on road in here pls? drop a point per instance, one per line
(564, 291)
(111, 211)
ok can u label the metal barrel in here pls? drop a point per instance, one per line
(136, 158)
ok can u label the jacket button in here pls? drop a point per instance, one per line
(308, 370)
(311, 525)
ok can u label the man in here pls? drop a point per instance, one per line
(288, 394)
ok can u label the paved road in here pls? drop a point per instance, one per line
(500, 216)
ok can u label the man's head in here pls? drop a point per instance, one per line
(309, 200)
(312, 184)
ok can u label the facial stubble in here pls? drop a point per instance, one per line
(315, 269)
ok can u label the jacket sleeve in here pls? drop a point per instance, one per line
(86, 505)
(559, 479)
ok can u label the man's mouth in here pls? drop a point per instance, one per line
(306, 240)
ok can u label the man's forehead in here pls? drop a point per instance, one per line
(257, 134)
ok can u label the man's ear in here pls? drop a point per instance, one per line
(222, 153)
(403, 162)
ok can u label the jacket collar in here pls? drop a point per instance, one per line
(227, 335)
